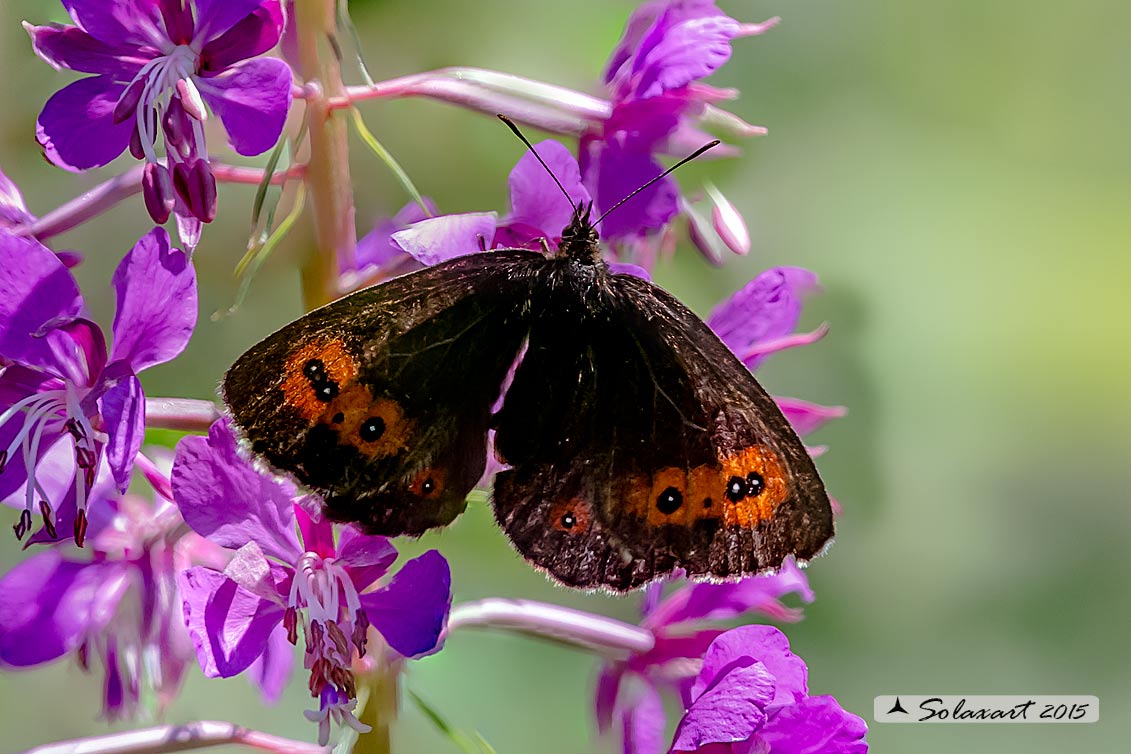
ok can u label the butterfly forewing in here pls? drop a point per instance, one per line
(381, 401)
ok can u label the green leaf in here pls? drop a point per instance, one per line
(468, 744)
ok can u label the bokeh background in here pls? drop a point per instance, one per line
(958, 173)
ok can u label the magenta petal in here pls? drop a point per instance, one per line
(439, 239)
(643, 723)
(253, 35)
(76, 128)
(618, 172)
(625, 268)
(47, 604)
(535, 199)
(605, 696)
(35, 289)
(366, 557)
(411, 611)
(13, 211)
(816, 725)
(767, 307)
(156, 288)
(731, 709)
(315, 531)
(228, 625)
(214, 17)
(807, 417)
(132, 21)
(767, 645)
(252, 99)
(71, 47)
(123, 411)
(376, 247)
(272, 669)
(683, 46)
(703, 601)
(225, 499)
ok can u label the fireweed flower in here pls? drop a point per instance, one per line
(13, 211)
(538, 215)
(59, 385)
(751, 696)
(760, 319)
(628, 691)
(159, 66)
(116, 608)
(279, 583)
(653, 79)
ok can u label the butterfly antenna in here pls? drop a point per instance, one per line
(684, 161)
(524, 140)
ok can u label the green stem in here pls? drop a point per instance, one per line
(381, 680)
(328, 172)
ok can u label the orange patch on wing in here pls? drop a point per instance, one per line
(752, 509)
(572, 516)
(299, 390)
(427, 483)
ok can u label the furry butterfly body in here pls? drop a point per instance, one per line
(635, 442)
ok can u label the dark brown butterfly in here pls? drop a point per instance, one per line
(636, 442)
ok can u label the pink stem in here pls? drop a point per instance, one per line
(581, 629)
(185, 414)
(170, 738)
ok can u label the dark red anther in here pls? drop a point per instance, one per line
(157, 191)
(80, 528)
(23, 524)
(73, 429)
(343, 679)
(3, 460)
(340, 642)
(314, 638)
(48, 522)
(177, 127)
(196, 186)
(127, 103)
(290, 622)
(81, 654)
(360, 631)
(318, 676)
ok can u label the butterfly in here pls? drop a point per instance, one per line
(634, 442)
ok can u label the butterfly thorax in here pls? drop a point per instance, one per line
(579, 239)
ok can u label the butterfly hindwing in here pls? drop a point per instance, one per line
(381, 400)
(670, 455)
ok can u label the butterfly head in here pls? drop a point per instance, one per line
(579, 238)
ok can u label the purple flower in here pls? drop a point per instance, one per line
(759, 320)
(539, 213)
(628, 691)
(751, 696)
(13, 211)
(59, 384)
(652, 77)
(159, 66)
(279, 582)
(116, 609)
(376, 257)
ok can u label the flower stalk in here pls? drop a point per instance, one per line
(201, 734)
(328, 172)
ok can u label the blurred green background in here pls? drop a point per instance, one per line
(959, 176)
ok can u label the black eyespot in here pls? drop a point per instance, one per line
(314, 370)
(736, 489)
(707, 502)
(568, 520)
(326, 391)
(669, 501)
(338, 418)
(428, 486)
(754, 484)
(371, 429)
